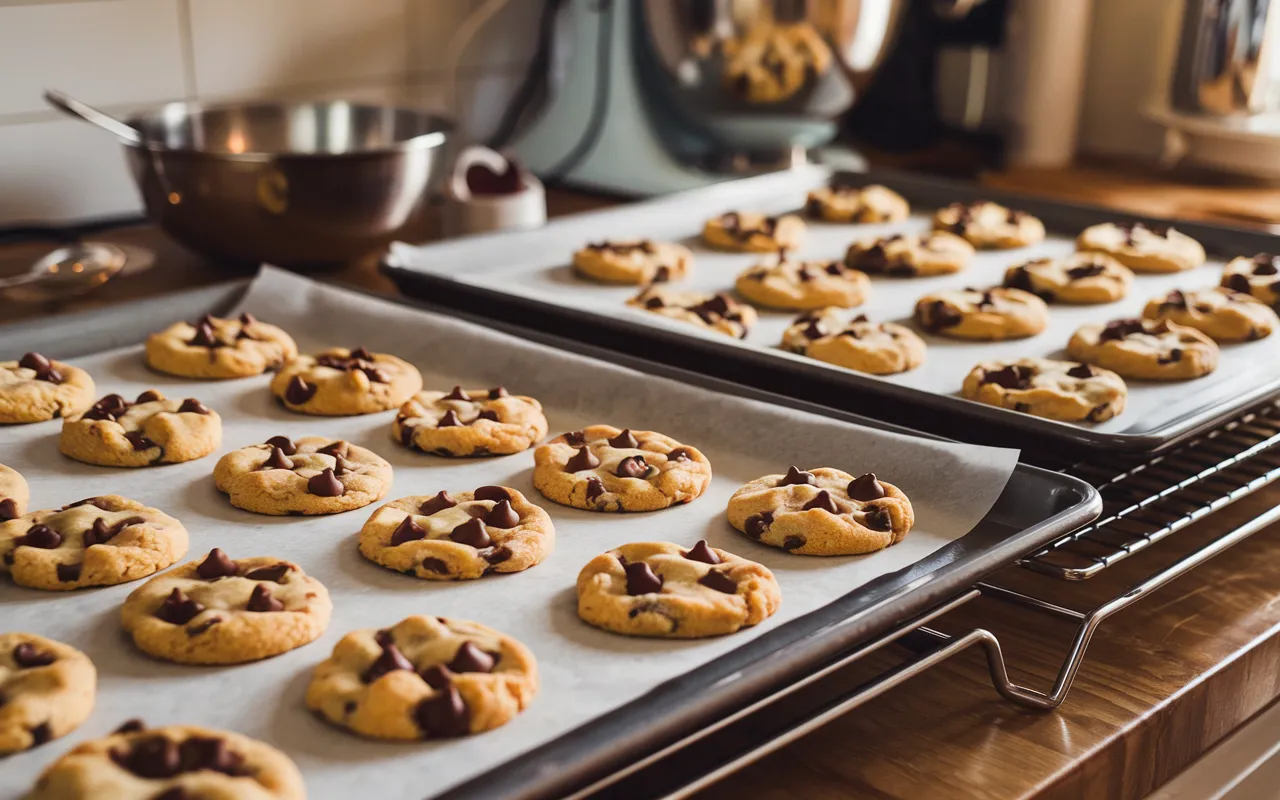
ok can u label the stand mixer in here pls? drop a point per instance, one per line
(665, 95)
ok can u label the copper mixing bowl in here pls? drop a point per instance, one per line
(299, 185)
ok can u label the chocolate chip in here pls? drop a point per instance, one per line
(149, 396)
(631, 467)
(471, 532)
(594, 488)
(341, 466)
(757, 525)
(134, 725)
(436, 676)
(654, 302)
(41, 734)
(793, 543)
(470, 658)
(719, 581)
(449, 420)
(192, 406)
(641, 579)
(1019, 278)
(702, 552)
(939, 316)
(277, 460)
(488, 414)
(496, 555)
(407, 531)
(155, 758)
(575, 438)
(69, 573)
(1010, 377)
(208, 753)
(435, 565)
(139, 441)
(680, 454)
(205, 336)
(9, 509)
(624, 440)
(1237, 283)
(1120, 328)
(261, 600)
(1175, 355)
(1080, 371)
(37, 363)
(443, 714)
(866, 487)
(39, 536)
(217, 565)
(338, 449)
(440, 502)
(1265, 264)
(390, 660)
(109, 407)
(497, 392)
(1175, 299)
(247, 319)
(877, 519)
(583, 459)
(325, 485)
(502, 516)
(1085, 271)
(798, 477)
(26, 656)
(178, 609)
(273, 573)
(285, 444)
(299, 391)
(823, 501)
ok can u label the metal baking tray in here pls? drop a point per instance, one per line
(524, 277)
(1035, 508)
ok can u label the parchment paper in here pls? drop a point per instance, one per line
(534, 264)
(585, 671)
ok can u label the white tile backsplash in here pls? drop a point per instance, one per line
(121, 52)
(62, 170)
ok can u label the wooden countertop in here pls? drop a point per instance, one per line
(1163, 681)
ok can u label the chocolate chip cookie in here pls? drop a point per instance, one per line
(1258, 276)
(35, 389)
(663, 590)
(1143, 248)
(640, 261)
(1224, 314)
(459, 536)
(313, 475)
(803, 284)
(220, 610)
(743, 231)
(773, 62)
(1060, 390)
(713, 312)
(213, 347)
(470, 422)
(424, 678)
(1145, 349)
(991, 315)
(1081, 278)
(170, 763)
(101, 541)
(14, 494)
(150, 430)
(864, 204)
(342, 383)
(989, 226)
(877, 348)
(910, 256)
(822, 512)
(47, 687)
(603, 468)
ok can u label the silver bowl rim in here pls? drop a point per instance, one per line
(444, 128)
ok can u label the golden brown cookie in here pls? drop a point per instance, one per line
(213, 347)
(459, 536)
(603, 468)
(771, 62)
(989, 226)
(1145, 349)
(1083, 278)
(864, 204)
(877, 348)
(424, 678)
(803, 284)
(170, 763)
(743, 231)
(470, 422)
(150, 430)
(221, 610)
(822, 512)
(1143, 248)
(1224, 314)
(48, 690)
(341, 382)
(1258, 276)
(661, 589)
(1042, 387)
(641, 261)
(909, 256)
(713, 312)
(991, 315)
(313, 475)
(100, 541)
(35, 389)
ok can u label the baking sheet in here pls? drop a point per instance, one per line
(585, 672)
(534, 265)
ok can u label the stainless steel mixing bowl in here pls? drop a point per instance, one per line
(301, 185)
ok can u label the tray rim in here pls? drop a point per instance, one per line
(1197, 420)
(812, 637)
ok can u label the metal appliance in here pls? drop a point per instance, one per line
(664, 95)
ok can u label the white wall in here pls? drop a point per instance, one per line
(123, 55)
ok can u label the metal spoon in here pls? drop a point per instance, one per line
(92, 115)
(71, 270)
